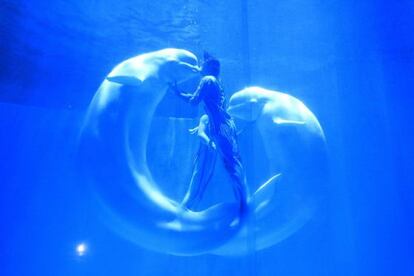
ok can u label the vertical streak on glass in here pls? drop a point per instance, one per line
(245, 51)
(245, 42)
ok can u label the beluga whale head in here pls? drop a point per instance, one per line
(180, 66)
(163, 66)
(247, 104)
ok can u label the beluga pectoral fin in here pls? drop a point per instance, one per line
(125, 80)
(281, 121)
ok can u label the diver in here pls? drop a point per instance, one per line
(218, 135)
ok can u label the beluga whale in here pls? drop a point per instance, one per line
(294, 150)
(113, 150)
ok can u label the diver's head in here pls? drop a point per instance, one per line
(211, 66)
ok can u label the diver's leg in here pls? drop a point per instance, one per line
(228, 149)
(235, 169)
(202, 173)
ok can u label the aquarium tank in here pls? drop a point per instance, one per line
(196, 137)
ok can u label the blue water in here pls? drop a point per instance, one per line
(350, 62)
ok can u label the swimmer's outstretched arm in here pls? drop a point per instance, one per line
(192, 98)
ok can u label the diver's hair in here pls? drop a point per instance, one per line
(211, 64)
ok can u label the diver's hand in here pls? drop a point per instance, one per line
(212, 145)
(193, 130)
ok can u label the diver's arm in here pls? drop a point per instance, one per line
(188, 97)
(201, 132)
(193, 98)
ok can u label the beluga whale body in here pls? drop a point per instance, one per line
(293, 149)
(113, 149)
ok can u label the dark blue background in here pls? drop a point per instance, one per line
(351, 62)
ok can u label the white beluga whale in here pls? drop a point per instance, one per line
(114, 156)
(113, 150)
(293, 141)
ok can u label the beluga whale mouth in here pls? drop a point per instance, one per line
(114, 154)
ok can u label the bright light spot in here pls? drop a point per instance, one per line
(81, 249)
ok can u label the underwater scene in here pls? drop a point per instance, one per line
(196, 137)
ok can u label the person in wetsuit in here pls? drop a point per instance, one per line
(218, 134)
